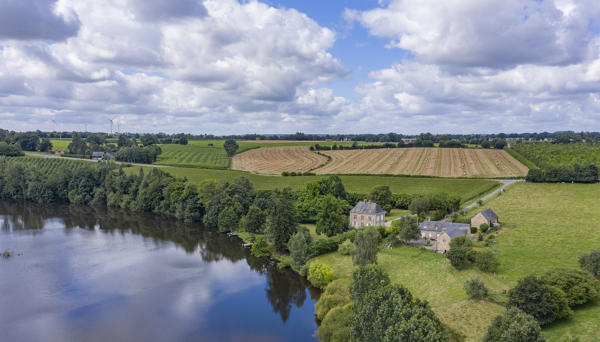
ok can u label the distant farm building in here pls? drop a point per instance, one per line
(97, 155)
(487, 216)
(366, 214)
(60, 152)
(442, 232)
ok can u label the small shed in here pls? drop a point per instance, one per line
(60, 152)
(487, 216)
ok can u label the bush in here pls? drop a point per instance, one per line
(591, 263)
(458, 257)
(366, 279)
(579, 286)
(514, 326)
(260, 248)
(475, 288)
(533, 296)
(486, 261)
(336, 294)
(461, 242)
(484, 227)
(322, 246)
(319, 275)
(473, 230)
(337, 325)
(10, 150)
(346, 248)
(298, 248)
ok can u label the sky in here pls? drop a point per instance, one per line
(284, 66)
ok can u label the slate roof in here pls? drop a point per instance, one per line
(367, 207)
(97, 154)
(489, 214)
(452, 229)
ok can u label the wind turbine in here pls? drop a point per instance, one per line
(60, 133)
(111, 125)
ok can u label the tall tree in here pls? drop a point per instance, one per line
(366, 247)
(230, 147)
(408, 229)
(382, 195)
(332, 217)
(514, 326)
(281, 219)
(77, 145)
(298, 247)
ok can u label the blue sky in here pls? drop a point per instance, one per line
(254, 66)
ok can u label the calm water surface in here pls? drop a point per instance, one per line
(92, 274)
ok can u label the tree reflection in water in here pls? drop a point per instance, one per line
(284, 287)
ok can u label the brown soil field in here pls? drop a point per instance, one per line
(275, 160)
(440, 162)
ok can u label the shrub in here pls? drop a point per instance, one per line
(458, 257)
(461, 242)
(486, 261)
(336, 294)
(484, 227)
(260, 248)
(366, 279)
(473, 230)
(475, 288)
(591, 263)
(346, 248)
(514, 326)
(319, 275)
(298, 248)
(534, 297)
(337, 325)
(579, 286)
(322, 246)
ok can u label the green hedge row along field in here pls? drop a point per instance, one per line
(50, 165)
(465, 188)
(548, 154)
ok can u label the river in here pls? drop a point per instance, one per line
(96, 274)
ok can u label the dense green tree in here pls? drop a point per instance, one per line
(281, 219)
(579, 286)
(534, 297)
(149, 139)
(366, 279)
(254, 221)
(260, 248)
(337, 325)
(458, 257)
(319, 274)
(382, 195)
(391, 313)
(486, 144)
(514, 326)
(10, 150)
(135, 154)
(228, 219)
(336, 294)
(486, 261)
(591, 263)
(45, 145)
(366, 247)
(420, 206)
(332, 217)
(475, 288)
(78, 145)
(230, 147)
(407, 227)
(346, 247)
(461, 241)
(28, 141)
(124, 141)
(298, 247)
(332, 185)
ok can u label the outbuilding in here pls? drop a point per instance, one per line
(441, 233)
(487, 216)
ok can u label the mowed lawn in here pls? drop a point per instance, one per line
(466, 188)
(546, 226)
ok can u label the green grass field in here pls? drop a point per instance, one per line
(545, 226)
(198, 153)
(466, 188)
(547, 154)
(60, 143)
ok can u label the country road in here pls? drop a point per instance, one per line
(52, 156)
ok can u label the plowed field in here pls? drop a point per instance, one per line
(275, 160)
(440, 162)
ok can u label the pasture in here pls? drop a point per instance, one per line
(545, 226)
(49, 166)
(439, 162)
(275, 160)
(547, 154)
(465, 188)
(60, 143)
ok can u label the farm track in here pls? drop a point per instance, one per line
(439, 162)
(275, 160)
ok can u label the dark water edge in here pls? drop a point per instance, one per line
(96, 274)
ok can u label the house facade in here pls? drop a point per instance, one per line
(97, 155)
(487, 216)
(442, 232)
(366, 214)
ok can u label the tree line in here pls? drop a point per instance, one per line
(564, 174)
